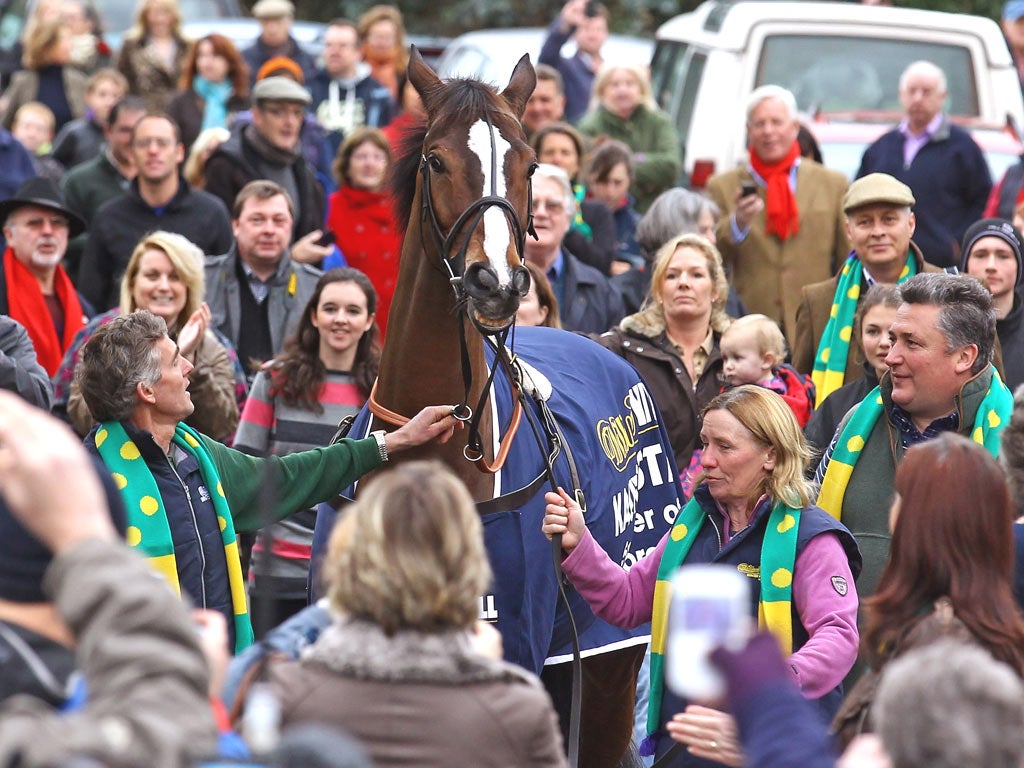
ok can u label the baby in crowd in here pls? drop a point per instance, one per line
(754, 352)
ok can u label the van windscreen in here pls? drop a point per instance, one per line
(852, 74)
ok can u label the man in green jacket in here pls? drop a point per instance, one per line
(940, 379)
(187, 494)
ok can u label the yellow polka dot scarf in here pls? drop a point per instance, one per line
(829, 372)
(778, 556)
(148, 528)
(993, 414)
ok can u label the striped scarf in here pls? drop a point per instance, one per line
(993, 414)
(148, 527)
(778, 556)
(829, 372)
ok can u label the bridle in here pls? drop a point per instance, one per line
(547, 431)
(452, 254)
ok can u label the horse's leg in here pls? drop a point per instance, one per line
(609, 691)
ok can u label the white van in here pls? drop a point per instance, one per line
(835, 57)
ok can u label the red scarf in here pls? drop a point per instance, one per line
(782, 215)
(25, 303)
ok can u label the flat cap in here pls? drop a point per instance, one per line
(280, 88)
(273, 9)
(877, 188)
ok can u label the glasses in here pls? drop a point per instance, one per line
(279, 110)
(553, 205)
(145, 143)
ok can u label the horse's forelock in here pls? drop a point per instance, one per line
(461, 102)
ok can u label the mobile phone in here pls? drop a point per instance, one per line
(327, 238)
(747, 189)
(590, 9)
(710, 607)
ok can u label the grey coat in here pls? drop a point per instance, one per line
(20, 371)
(287, 300)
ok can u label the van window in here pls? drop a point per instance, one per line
(678, 72)
(841, 74)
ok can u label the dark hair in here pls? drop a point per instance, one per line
(151, 115)
(808, 144)
(966, 315)
(238, 70)
(261, 189)
(545, 295)
(942, 547)
(298, 374)
(130, 103)
(348, 23)
(359, 136)
(605, 157)
(547, 72)
(119, 355)
(563, 129)
(879, 294)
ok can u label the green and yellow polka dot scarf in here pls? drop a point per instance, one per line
(778, 556)
(993, 415)
(829, 372)
(148, 528)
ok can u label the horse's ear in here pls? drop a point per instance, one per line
(520, 86)
(423, 78)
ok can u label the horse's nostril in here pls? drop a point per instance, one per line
(480, 280)
(521, 280)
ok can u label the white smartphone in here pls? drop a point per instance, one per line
(710, 606)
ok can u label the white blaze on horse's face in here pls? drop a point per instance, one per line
(496, 231)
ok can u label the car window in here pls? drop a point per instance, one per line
(839, 74)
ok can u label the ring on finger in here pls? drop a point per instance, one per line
(712, 744)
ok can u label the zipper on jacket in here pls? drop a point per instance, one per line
(195, 526)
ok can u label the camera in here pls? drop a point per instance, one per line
(590, 9)
(710, 607)
(748, 189)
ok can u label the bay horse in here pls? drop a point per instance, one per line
(463, 194)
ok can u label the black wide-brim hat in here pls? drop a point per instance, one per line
(45, 193)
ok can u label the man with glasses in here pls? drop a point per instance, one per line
(587, 302)
(271, 148)
(34, 289)
(158, 198)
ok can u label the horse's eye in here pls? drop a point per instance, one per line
(435, 163)
(532, 169)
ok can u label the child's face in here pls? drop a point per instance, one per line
(874, 335)
(32, 131)
(742, 362)
(102, 98)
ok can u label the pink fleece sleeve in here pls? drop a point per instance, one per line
(822, 575)
(622, 598)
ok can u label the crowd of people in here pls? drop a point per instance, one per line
(200, 257)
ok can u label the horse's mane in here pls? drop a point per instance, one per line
(460, 97)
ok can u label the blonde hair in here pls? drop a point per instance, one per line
(187, 260)
(766, 334)
(40, 41)
(638, 71)
(140, 26)
(195, 165)
(650, 320)
(771, 422)
(410, 552)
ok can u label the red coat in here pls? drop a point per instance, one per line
(364, 228)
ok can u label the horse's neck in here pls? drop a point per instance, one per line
(422, 362)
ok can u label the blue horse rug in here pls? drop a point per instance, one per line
(627, 472)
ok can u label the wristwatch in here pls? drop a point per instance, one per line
(382, 446)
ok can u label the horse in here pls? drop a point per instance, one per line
(463, 194)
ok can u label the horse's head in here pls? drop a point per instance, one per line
(475, 170)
